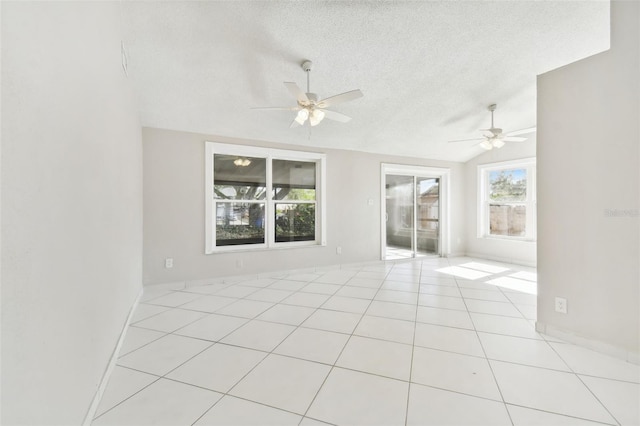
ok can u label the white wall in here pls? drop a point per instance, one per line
(588, 163)
(174, 210)
(519, 252)
(72, 206)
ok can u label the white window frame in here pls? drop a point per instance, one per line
(529, 164)
(269, 154)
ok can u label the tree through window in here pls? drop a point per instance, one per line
(261, 200)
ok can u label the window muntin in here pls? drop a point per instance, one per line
(263, 198)
(507, 200)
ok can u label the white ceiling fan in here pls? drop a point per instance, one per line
(494, 138)
(312, 109)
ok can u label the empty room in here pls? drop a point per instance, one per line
(320, 212)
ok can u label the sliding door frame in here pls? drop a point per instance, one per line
(443, 174)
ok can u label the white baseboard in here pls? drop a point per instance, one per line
(110, 366)
(595, 345)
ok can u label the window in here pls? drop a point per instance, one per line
(507, 194)
(263, 198)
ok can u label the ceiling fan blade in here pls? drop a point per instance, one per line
(522, 132)
(278, 108)
(294, 123)
(467, 140)
(342, 97)
(297, 92)
(337, 116)
(514, 139)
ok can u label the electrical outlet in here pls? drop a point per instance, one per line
(561, 305)
(338, 250)
(370, 201)
(168, 262)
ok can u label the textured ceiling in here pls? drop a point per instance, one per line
(427, 69)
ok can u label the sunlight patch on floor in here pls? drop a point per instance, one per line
(466, 273)
(515, 284)
(484, 267)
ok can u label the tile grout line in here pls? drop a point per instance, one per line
(341, 351)
(171, 291)
(495, 379)
(175, 332)
(266, 356)
(130, 396)
(413, 349)
(248, 372)
(584, 384)
(316, 362)
(180, 365)
(561, 414)
(329, 296)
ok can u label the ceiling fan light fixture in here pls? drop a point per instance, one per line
(494, 137)
(310, 108)
(316, 117)
(242, 162)
(486, 144)
(302, 116)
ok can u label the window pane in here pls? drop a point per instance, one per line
(508, 220)
(294, 180)
(508, 185)
(295, 222)
(239, 178)
(239, 223)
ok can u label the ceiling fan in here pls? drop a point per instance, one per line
(312, 109)
(494, 138)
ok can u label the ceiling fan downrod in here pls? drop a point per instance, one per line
(306, 66)
(492, 108)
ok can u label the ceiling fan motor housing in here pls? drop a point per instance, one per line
(306, 66)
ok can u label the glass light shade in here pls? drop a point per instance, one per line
(302, 116)
(316, 117)
(498, 143)
(486, 145)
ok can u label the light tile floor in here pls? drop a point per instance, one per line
(429, 341)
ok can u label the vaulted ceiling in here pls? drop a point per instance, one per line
(428, 69)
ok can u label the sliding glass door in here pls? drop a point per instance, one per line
(427, 215)
(412, 213)
(400, 220)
